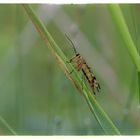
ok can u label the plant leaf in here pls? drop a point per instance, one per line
(102, 118)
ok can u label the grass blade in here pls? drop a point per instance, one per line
(8, 126)
(119, 20)
(124, 32)
(139, 87)
(102, 118)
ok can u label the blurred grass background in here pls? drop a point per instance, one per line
(36, 98)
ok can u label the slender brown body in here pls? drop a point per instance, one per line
(80, 64)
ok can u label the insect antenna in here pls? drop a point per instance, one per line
(72, 45)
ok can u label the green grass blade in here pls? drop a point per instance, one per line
(7, 126)
(102, 118)
(124, 32)
(139, 87)
(119, 20)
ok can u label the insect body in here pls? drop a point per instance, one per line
(80, 64)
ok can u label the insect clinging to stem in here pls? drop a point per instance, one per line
(79, 63)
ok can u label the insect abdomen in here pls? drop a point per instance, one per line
(88, 75)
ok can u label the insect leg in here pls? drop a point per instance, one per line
(71, 72)
(97, 85)
(70, 61)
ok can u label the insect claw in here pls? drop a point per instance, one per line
(97, 89)
(68, 62)
(99, 86)
(71, 72)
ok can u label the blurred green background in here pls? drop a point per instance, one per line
(36, 98)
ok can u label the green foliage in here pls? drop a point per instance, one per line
(36, 98)
(124, 32)
(7, 126)
(97, 111)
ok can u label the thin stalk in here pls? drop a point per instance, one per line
(119, 20)
(121, 25)
(129, 101)
(7, 126)
(139, 87)
(101, 117)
